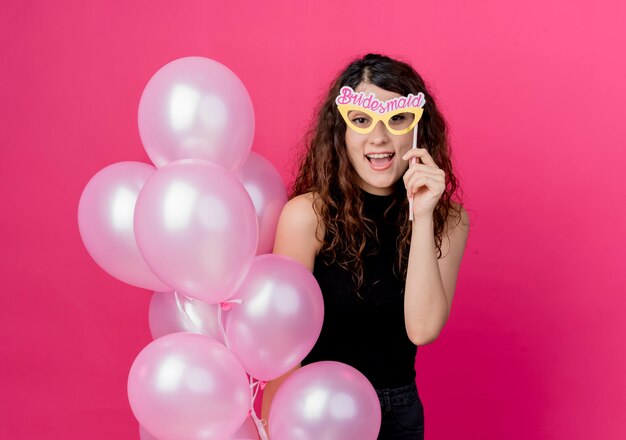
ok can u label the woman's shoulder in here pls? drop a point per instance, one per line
(458, 212)
(457, 217)
(299, 233)
(302, 210)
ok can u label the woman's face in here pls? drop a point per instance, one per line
(377, 175)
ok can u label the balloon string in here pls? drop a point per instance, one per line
(222, 331)
(223, 306)
(260, 424)
(413, 160)
(183, 312)
(254, 387)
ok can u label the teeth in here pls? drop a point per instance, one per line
(379, 156)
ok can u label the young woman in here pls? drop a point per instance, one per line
(387, 281)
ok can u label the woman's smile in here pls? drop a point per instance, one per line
(380, 161)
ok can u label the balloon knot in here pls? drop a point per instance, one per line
(226, 305)
(262, 384)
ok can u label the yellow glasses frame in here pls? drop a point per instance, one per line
(344, 109)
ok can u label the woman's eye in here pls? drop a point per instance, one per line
(359, 121)
(398, 118)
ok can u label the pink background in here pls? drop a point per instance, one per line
(534, 94)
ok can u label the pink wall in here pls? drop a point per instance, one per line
(534, 94)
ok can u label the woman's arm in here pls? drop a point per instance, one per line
(430, 283)
(295, 238)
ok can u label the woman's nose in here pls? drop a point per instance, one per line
(379, 134)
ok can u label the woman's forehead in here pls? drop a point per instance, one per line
(380, 94)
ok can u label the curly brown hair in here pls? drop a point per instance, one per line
(325, 169)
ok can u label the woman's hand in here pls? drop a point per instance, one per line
(424, 182)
